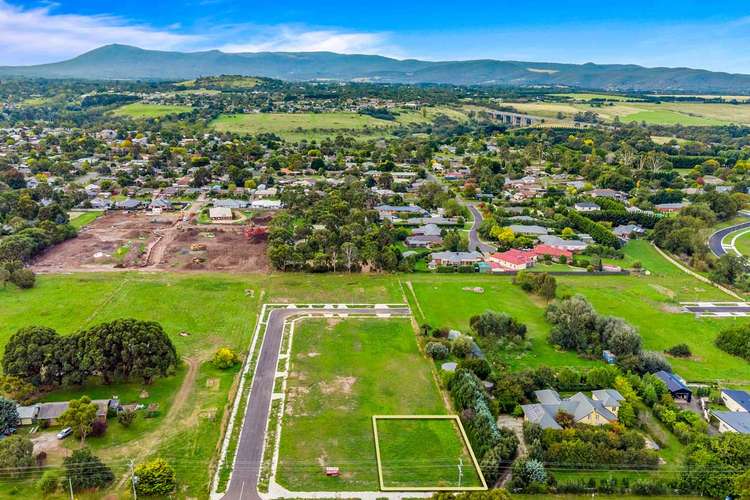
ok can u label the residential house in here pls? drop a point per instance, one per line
(584, 410)
(529, 230)
(100, 204)
(427, 230)
(736, 400)
(626, 231)
(454, 259)
(554, 252)
(424, 240)
(128, 204)
(666, 208)
(51, 412)
(733, 421)
(512, 259)
(609, 193)
(266, 204)
(676, 385)
(230, 203)
(392, 211)
(563, 244)
(586, 206)
(220, 213)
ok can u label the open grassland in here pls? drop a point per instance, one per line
(587, 96)
(342, 373)
(199, 312)
(143, 110)
(667, 113)
(317, 126)
(424, 453)
(651, 303)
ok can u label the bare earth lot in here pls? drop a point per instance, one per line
(155, 242)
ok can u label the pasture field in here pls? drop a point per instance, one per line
(651, 303)
(342, 373)
(143, 110)
(591, 96)
(317, 126)
(666, 113)
(199, 312)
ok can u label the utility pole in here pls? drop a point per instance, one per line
(70, 485)
(133, 479)
(460, 471)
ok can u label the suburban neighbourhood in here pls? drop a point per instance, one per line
(293, 269)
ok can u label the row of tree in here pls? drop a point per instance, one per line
(121, 349)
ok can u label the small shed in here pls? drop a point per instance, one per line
(609, 357)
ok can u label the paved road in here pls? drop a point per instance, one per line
(719, 309)
(714, 241)
(474, 241)
(247, 463)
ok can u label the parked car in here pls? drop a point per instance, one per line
(65, 433)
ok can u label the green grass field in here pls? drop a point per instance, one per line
(424, 453)
(651, 303)
(741, 239)
(588, 96)
(667, 113)
(142, 110)
(342, 373)
(317, 126)
(81, 219)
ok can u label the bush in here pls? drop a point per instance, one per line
(500, 325)
(679, 351)
(478, 366)
(126, 418)
(23, 278)
(436, 350)
(156, 477)
(48, 483)
(86, 471)
(225, 358)
(735, 341)
(98, 428)
(461, 346)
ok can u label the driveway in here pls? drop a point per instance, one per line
(243, 485)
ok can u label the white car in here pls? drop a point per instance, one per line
(65, 433)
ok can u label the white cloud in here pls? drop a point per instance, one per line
(288, 38)
(39, 35)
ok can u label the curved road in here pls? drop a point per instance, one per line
(243, 484)
(714, 241)
(474, 241)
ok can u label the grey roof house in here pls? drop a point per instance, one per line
(600, 410)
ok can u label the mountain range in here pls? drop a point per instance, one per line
(123, 62)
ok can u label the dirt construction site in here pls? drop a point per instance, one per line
(122, 241)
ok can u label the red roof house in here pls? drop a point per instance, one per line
(513, 259)
(554, 252)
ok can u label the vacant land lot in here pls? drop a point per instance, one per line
(424, 453)
(143, 110)
(210, 248)
(117, 240)
(343, 373)
(80, 219)
(651, 303)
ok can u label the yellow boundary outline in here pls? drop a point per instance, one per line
(465, 438)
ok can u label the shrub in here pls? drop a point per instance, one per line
(23, 278)
(86, 471)
(98, 428)
(479, 366)
(48, 483)
(679, 351)
(126, 417)
(461, 346)
(225, 358)
(156, 477)
(436, 350)
(735, 341)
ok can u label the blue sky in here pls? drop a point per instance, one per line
(656, 33)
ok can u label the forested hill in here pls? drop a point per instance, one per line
(127, 63)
